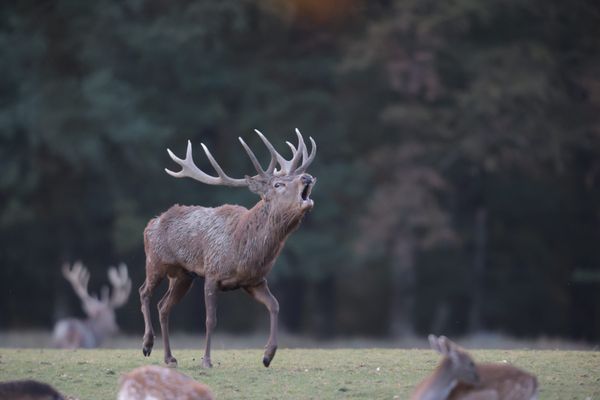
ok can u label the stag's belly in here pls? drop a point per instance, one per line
(236, 283)
(244, 276)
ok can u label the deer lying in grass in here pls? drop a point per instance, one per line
(230, 246)
(28, 390)
(101, 322)
(457, 377)
(154, 382)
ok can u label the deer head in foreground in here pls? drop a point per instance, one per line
(154, 382)
(101, 321)
(28, 390)
(457, 377)
(230, 246)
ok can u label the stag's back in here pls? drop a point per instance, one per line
(154, 382)
(189, 235)
(71, 333)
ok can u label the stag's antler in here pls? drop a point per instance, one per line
(306, 159)
(190, 170)
(119, 279)
(79, 278)
(287, 167)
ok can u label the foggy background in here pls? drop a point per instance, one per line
(458, 157)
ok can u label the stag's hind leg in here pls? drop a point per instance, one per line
(262, 294)
(179, 284)
(154, 276)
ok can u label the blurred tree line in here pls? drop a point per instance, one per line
(458, 158)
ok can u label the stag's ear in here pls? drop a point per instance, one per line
(453, 353)
(433, 343)
(449, 349)
(257, 184)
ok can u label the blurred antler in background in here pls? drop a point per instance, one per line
(101, 321)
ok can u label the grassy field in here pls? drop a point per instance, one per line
(296, 373)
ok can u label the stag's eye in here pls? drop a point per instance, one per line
(278, 184)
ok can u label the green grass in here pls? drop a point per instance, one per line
(296, 373)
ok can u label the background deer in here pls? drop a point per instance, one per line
(230, 246)
(457, 377)
(154, 382)
(101, 321)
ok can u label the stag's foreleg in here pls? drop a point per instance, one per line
(210, 304)
(152, 280)
(179, 284)
(262, 294)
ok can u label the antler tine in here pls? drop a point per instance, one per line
(119, 279)
(287, 167)
(306, 160)
(291, 147)
(304, 152)
(272, 165)
(298, 153)
(253, 158)
(190, 170)
(224, 178)
(275, 156)
(79, 277)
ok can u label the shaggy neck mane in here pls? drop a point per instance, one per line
(262, 231)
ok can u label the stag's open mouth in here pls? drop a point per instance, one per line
(305, 200)
(305, 192)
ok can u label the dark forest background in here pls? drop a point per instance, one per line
(458, 161)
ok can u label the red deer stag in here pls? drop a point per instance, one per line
(457, 377)
(230, 246)
(154, 382)
(75, 333)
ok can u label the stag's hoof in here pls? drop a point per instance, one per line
(206, 363)
(171, 362)
(147, 345)
(269, 355)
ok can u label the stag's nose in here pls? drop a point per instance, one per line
(306, 179)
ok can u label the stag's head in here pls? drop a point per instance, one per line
(284, 184)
